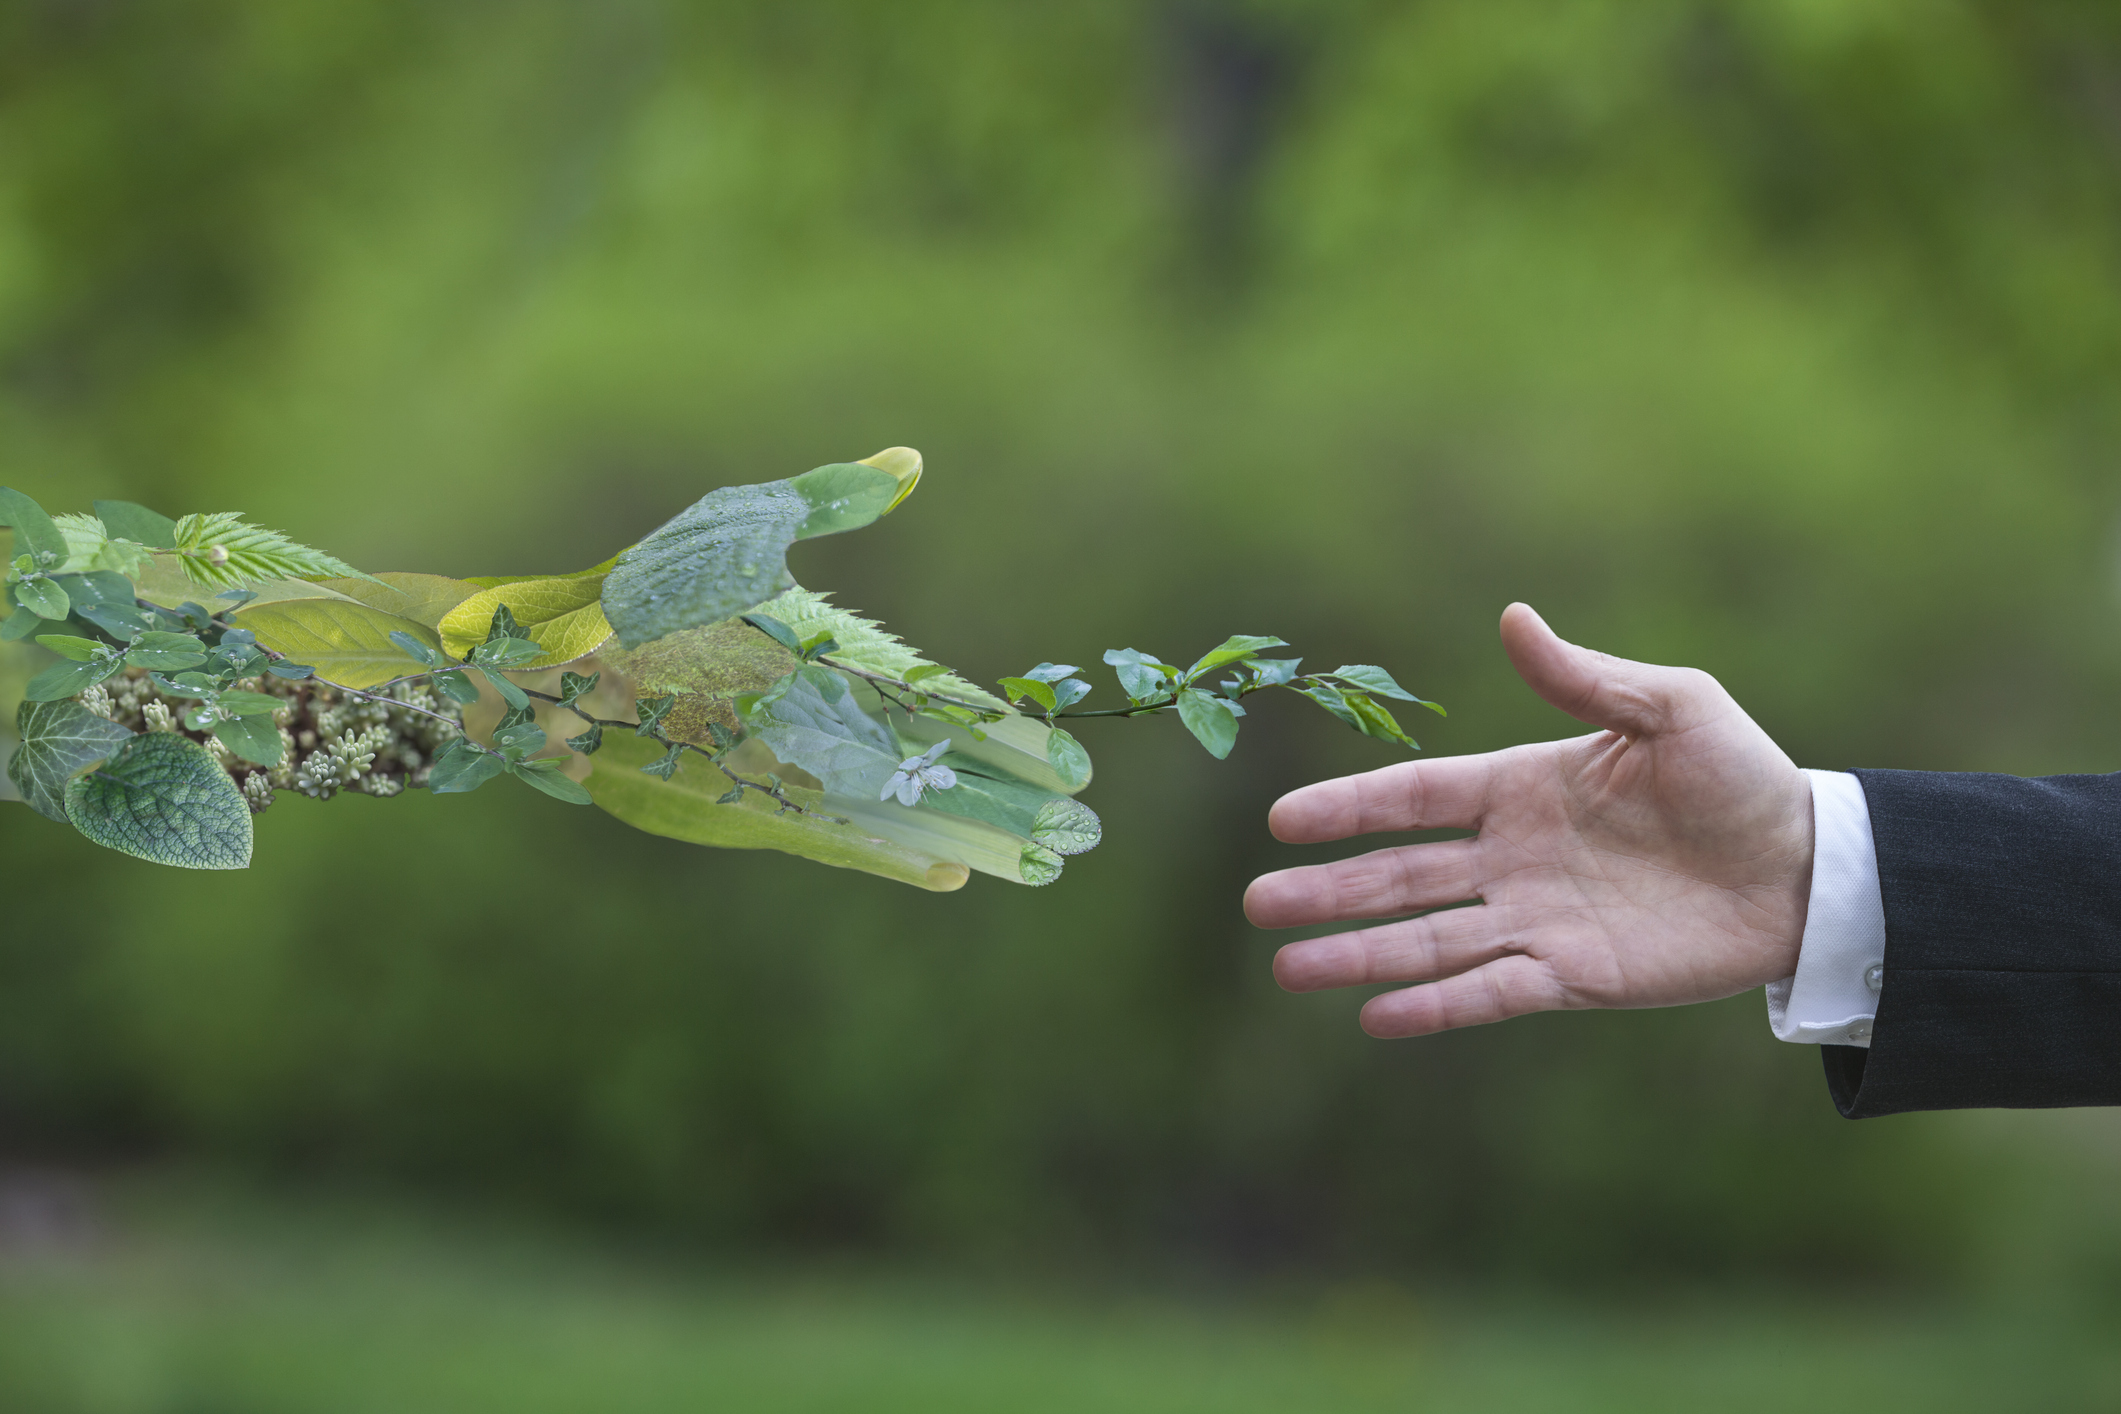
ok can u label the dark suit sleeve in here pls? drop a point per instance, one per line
(2002, 945)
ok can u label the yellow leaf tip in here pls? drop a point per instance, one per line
(903, 463)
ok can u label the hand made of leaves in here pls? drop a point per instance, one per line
(719, 702)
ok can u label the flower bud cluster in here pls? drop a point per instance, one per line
(330, 741)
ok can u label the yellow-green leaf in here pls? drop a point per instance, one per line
(562, 616)
(495, 581)
(423, 598)
(684, 808)
(346, 642)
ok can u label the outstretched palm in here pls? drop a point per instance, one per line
(1663, 859)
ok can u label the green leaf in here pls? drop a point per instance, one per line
(547, 777)
(1329, 697)
(166, 652)
(866, 645)
(80, 650)
(1068, 759)
(916, 676)
(1018, 688)
(456, 686)
(43, 597)
(219, 550)
(515, 654)
(163, 798)
(463, 767)
(852, 753)
(69, 679)
(138, 524)
(250, 704)
(1141, 677)
(574, 687)
(1238, 646)
(588, 742)
(296, 672)
(520, 740)
(1069, 691)
(561, 616)
(1051, 672)
(254, 738)
(348, 643)
(421, 653)
(1275, 672)
(121, 621)
(1378, 683)
(817, 646)
(1038, 865)
(424, 598)
(727, 552)
(1371, 719)
(21, 624)
(665, 766)
(1210, 720)
(58, 740)
(649, 713)
(34, 530)
(1067, 826)
(511, 694)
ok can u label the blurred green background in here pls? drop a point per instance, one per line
(1779, 338)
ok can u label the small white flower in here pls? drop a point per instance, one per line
(918, 773)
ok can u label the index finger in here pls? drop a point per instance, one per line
(1450, 793)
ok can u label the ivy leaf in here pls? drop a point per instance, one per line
(1067, 826)
(138, 524)
(547, 777)
(347, 642)
(1143, 678)
(650, 711)
(421, 653)
(457, 686)
(1068, 759)
(1378, 683)
(727, 552)
(166, 652)
(734, 796)
(162, 798)
(588, 742)
(66, 645)
(1210, 720)
(666, 765)
(1016, 689)
(573, 687)
(58, 740)
(254, 738)
(70, 679)
(220, 550)
(462, 767)
(43, 597)
(1038, 865)
(34, 530)
(1235, 648)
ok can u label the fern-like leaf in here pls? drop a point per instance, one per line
(220, 550)
(862, 644)
(90, 546)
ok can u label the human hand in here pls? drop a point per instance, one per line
(1664, 859)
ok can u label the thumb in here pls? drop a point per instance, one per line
(1635, 699)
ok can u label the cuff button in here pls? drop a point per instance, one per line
(1861, 1031)
(1874, 976)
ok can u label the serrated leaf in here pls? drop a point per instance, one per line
(727, 552)
(348, 643)
(58, 740)
(253, 738)
(1234, 649)
(562, 616)
(34, 531)
(462, 768)
(70, 679)
(1210, 720)
(866, 645)
(220, 550)
(547, 777)
(1067, 826)
(162, 798)
(1038, 865)
(43, 597)
(138, 524)
(1068, 759)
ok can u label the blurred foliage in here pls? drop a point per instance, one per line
(1778, 338)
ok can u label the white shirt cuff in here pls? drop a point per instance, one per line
(1832, 999)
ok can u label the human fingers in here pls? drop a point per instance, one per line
(1635, 699)
(1417, 950)
(1496, 991)
(1450, 793)
(1375, 885)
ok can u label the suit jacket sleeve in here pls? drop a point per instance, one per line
(2002, 945)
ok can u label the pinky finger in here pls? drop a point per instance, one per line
(1496, 991)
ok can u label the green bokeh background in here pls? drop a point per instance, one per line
(1777, 338)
